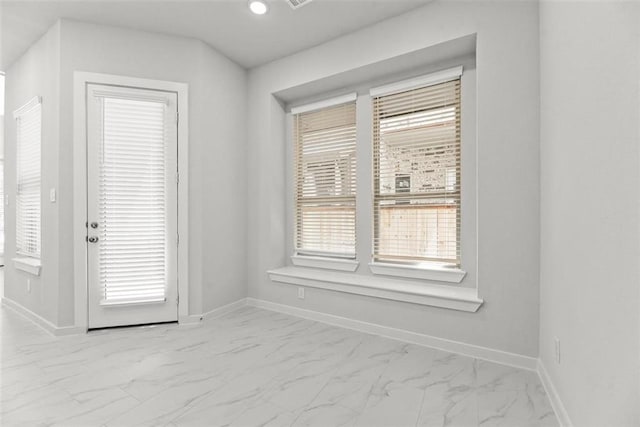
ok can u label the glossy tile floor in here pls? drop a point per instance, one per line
(253, 368)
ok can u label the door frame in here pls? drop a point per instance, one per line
(80, 81)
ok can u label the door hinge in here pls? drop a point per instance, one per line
(177, 239)
(177, 177)
(177, 117)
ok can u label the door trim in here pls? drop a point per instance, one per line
(80, 81)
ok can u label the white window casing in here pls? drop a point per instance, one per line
(325, 179)
(417, 176)
(28, 179)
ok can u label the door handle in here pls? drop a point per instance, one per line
(93, 239)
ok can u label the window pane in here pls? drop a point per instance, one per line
(325, 173)
(417, 175)
(28, 180)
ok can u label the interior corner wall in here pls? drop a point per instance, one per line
(590, 219)
(224, 181)
(214, 144)
(508, 169)
(35, 74)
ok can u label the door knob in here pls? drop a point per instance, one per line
(93, 239)
(94, 225)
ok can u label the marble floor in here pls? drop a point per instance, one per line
(252, 367)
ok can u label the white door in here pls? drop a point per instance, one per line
(132, 206)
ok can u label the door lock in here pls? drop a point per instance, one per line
(93, 239)
(94, 225)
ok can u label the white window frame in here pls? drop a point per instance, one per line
(451, 289)
(316, 260)
(28, 260)
(428, 271)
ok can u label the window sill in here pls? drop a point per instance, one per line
(454, 298)
(325, 263)
(440, 274)
(28, 265)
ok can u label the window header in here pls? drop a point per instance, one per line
(343, 99)
(418, 82)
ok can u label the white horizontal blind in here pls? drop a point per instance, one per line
(132, 201)
(29, 131)
(325, 179)
(416, 137)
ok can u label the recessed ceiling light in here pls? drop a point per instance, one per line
(259, 7)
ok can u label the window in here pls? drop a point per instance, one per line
(416, 172)
(28, 120)
(325, 180)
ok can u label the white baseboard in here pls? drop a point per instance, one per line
(497, 356)
(194, 319)
(40, 321)
(221, 311)
(554, 397)
(191, 319)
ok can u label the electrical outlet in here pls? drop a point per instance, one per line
(557, 348)
(301, 293)
(29, 285)
(52, 195)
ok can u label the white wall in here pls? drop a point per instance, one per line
(507, 146)
(36, 73)
(223, 180)
(590, 184)
(2, 147)
(217, 138)
(217, 141)
(1, 136)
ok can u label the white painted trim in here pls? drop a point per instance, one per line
(554, 397)
(36, 100)
(497, 356)
(225, 309)
(81, 79)
(343, 99)
(41, 321)
(101, 93)
(215, 313)
(454, 298)
(28, 265)
(440, 274)
(417, 82)
(326, 263)
(190, 319)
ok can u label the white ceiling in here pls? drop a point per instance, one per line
(226, 25)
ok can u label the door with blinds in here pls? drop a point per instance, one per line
(132, 206)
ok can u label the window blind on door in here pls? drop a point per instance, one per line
(325, 181)
(132, 201)
(416, 144)
(29, 132)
